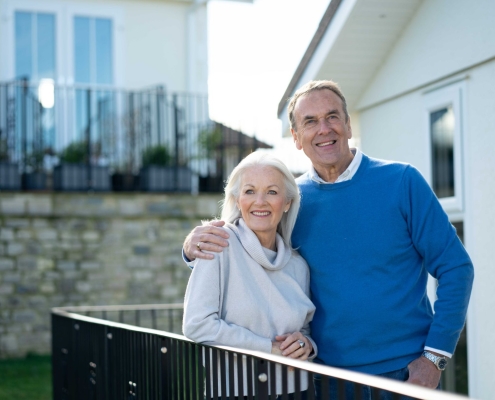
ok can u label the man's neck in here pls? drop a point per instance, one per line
(331, 173)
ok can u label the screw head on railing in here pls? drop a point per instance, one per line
(109, 336)
(65, 351)
(164, 350)
(76, 327)
(262, 377)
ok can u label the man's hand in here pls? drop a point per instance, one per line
(423, 372)
(210, 237)
(290, 346)
(276, 348)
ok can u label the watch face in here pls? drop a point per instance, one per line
(442, 363)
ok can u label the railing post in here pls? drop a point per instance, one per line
(88, 140)
(177, 138)
(262, 379)
(24, 122)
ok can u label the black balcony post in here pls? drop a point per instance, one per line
(88, 139)
(159, 95)
(24, 122)
(261, 378)
(177, 138)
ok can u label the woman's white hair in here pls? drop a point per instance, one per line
(230, 212)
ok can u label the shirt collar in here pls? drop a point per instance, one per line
(347, 175)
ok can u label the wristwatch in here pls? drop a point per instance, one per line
(440, 362)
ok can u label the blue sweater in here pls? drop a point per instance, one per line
(370, 243)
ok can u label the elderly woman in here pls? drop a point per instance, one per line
(255, 294)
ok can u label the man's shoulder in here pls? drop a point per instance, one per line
(387, 167)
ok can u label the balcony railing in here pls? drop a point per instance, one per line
(124, 352)
(111, 139)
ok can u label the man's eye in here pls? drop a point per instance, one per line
(310, 122)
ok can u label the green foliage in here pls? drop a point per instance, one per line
(210, 139)
(26, 379)
(75, 152)
(156, 155)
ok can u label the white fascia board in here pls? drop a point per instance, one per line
(321, 53)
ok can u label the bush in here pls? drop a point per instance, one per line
(156, 155)
(74, 153)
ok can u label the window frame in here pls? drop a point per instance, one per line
(448, 95)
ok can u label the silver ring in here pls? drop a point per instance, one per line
(301, 343)
(198, 245)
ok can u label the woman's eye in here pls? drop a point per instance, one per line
(272, 192)
(249, 191)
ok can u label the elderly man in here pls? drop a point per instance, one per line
(371, 231)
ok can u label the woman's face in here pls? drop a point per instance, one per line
(262, 201)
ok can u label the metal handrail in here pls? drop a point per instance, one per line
(400, 388)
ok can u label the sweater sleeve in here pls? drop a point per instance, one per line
(202, 310)
(444, 257)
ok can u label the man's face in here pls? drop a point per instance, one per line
(321, 130)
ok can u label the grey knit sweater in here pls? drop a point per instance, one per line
(247, 295)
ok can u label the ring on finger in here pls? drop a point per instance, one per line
(301, 343)
(198, 245)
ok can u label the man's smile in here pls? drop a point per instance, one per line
(329, 143)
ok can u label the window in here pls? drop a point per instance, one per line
(93, 50)
(444, 126)
(34, 45)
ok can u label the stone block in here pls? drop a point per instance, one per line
(34, 248)
(24, 316)
(6, 234)
(141, 250)
(13, 206)
(37, 302)
(11, 277)
(47, 234)
(131, 207)
(51, 275)
(91, 236)
(143, 275)
(39, 205)
(45, 264)
(65, 265)
(27, 263)
(6, 288)
(26, 288)
(68, 235)
(17, 222)
(83, 287)
(47, 287)
(15, 248)
(24, 234)
(6, 264)
(3, 251)
(66, 286)
(90, 265)
(9, 344)
(40, 223)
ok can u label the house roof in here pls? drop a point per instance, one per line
(234, 138)
(349, 46)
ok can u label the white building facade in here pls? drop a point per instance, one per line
(419, 77)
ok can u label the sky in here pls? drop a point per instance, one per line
(254, 50)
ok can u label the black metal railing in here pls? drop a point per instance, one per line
(98, 357)
(80, 137)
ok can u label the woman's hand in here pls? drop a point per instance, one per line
(294, 345)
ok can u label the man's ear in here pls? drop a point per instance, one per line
(349, 128)
(296, 140)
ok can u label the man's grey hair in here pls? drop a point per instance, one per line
(311, 87)
(230, 212)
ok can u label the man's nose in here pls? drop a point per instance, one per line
(323, 126)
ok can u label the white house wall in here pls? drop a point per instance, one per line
(443, 37)
(446, 37)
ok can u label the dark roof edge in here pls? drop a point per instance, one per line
(322, 28)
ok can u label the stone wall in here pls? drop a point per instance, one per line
(88, 249)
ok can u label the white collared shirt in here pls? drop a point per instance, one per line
(344, 176)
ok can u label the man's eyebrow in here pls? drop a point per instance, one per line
(334, 111)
